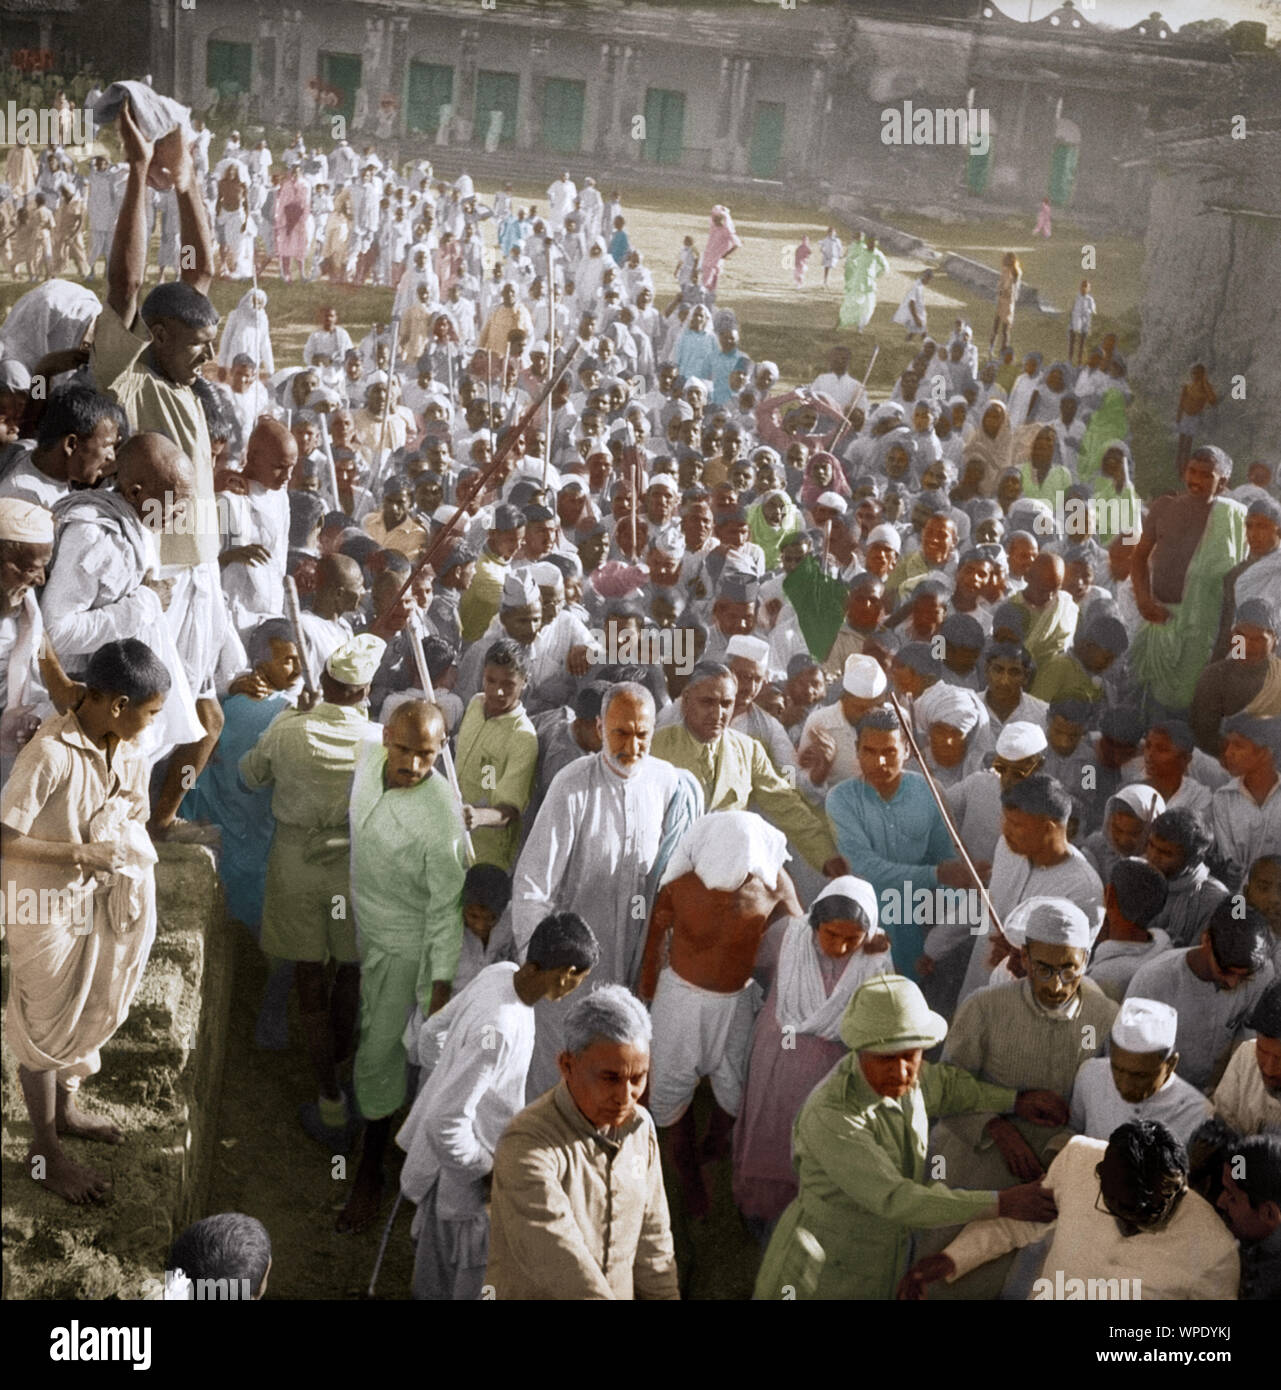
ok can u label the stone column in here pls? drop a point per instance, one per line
(742, 127)
(465, 84)
(398, 66)
(289, 68)
(616, 135)
(529, 98)
(606, 98)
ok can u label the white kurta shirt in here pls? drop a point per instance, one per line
(478, 1049)
(1098, 1107)
(1193, 1257)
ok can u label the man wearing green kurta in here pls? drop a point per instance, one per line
(497, 757)
(734, 770)
(407, 870)
(479, 605)
(859, 1151)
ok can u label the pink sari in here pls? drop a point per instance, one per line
(721, 240)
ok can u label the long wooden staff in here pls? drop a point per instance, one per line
(294, 614)
(862, 391)
(440, 541)
(382, 454)
(953, 833)
(331, 476)
(425, 685)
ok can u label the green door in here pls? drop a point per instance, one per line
(1063, 173)
(767, 139)
(229, 67)
(341, 71)
(977, 169)
(496, 91)
(664, 126)
(563, 115)
(428, 87)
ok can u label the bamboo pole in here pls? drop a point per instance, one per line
(425, 685)
(940, 801)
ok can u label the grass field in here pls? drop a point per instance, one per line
(797, 327)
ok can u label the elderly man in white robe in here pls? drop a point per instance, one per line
(26, 544)
(475, 1055)
(1127, 1227)
(598, 847)
(1136, 1080)
(105, 579)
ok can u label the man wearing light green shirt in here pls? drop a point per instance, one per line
(407, 870)
(859, 1151)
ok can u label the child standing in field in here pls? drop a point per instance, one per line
(831, 250)
(1196, 395)
(687, 264)
(1079, 324)
(1042, 227)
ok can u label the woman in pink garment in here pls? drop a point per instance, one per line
(812, 965)
(803, 252)
(1042, 227)
(293, 201)
(722, 241)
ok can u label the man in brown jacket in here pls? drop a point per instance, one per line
(579, 1210)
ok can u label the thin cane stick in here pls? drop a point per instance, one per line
(854, 404)
(382, 1245)
(425, 685)
(294, 615)
(953, 833)
(331, 476)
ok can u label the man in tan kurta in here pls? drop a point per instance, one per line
(579, 1210)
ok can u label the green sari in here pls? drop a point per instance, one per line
(1168, 657)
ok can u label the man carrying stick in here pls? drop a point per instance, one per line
(407, 869)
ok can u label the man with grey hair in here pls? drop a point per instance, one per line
(579, 1210)
(598, 847)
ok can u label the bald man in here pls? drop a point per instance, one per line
(340, 590)
(254, 527)
(407, 869)
(1052, 611)
(104, 580)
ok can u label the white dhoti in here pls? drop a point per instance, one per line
(197, 616)
(697, 1033)
(452, 1233)
(74, 979)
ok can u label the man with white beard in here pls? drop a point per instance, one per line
(598, 847)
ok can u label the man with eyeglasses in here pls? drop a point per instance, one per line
(1031, 1034)
(1214, 985)
(1108, 1194)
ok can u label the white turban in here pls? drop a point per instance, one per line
(520, 590)
(885, 534)
(750, 647)
(863, 677)
(1145, 1025)
(1021, 740)
(725, 848)
(950, 704)
(26, 522)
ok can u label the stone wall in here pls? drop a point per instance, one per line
(1208, 276)
(160, 1081)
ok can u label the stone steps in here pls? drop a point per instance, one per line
(161, 1082)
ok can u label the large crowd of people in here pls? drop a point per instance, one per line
(631, 766)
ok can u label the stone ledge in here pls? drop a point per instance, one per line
(160, 1081)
